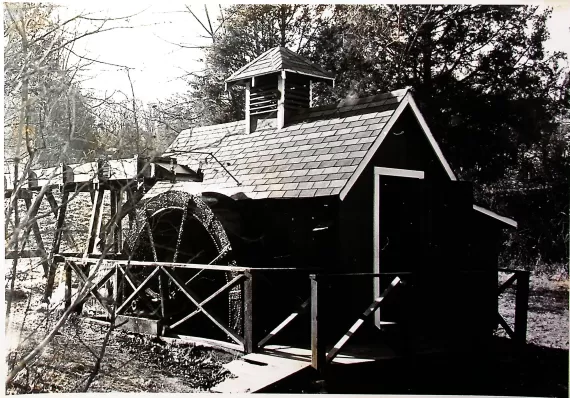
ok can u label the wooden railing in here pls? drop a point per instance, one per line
(522, 279)
(248, 338)
(246, 278)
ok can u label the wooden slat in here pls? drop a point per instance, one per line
(297, 85)
(153, 264)
(37, 234)
(338, 346)
(262, 100)
(296, 97)
(97, 200)
(232, 334)
(257, 108)
(129, 278)
(55, 245)
(55, 209)
(200, 308)
(189, 281)
(369, 274)
(263, 93)
(294, 102)
(506, 326)
(211, 267)
(262, 112)
(507, 284)
(93, 290)
(302, 309)
(137, 290)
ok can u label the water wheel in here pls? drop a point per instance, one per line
(179, 227)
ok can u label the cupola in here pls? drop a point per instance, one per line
(277, 83)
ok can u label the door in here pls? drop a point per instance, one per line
(397, 232)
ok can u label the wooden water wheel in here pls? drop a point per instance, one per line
(179, 227)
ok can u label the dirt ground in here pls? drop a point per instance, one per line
(132, 363)
(136, 363)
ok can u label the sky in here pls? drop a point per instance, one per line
(148, 45)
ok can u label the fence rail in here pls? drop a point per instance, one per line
(121, 273)
(247, 338)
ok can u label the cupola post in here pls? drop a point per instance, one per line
(277, 83)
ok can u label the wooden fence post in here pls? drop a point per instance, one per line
(318, 348)
(67, 285)
(164, 295)
(521, 308)
(250, 340)
(116, 291)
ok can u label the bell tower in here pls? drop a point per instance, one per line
(277, 83)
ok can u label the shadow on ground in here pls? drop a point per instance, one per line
(502, 369)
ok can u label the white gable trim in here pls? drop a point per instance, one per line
(431, 139)
(407, 100)
(494, 215)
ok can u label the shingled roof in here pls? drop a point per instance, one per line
(313, 156)
(276, 60)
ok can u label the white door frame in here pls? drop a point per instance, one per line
(383, 171)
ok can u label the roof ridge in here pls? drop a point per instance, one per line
(235, 123)
(277, 59)
(306, 61)
(357, 101)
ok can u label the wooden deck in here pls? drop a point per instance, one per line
(258, 371)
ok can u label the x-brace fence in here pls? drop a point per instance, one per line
(247, 339)
(122, 274)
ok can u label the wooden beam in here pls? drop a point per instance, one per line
(55, 209)
(376, 246)
(93, 290)
(22, 254)
(232, 334)
(144, 297)
(373, 307)
(153, 264)
(250, 339)
(55, 245)
(507, 284)
(201, 305)
(94, 221)
(137, 290)
(37, 234)
(301, 310)
(521, 306)
(386, 171)
(506, 326)
(247, 108)
(318, 348)
(281, 102)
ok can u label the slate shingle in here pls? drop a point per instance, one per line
(322, 148)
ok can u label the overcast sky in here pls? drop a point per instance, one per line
(157, 64)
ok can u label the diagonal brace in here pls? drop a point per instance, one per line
(373, 307)
(187, 292)
(93, 290)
